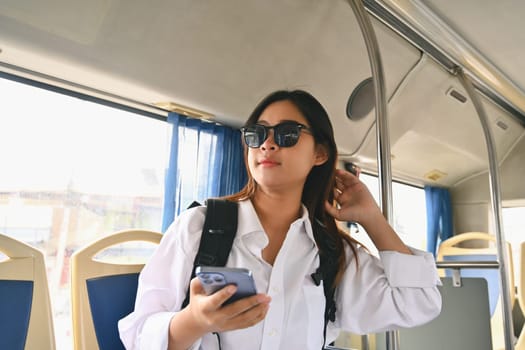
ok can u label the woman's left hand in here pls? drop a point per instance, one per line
(354, 201)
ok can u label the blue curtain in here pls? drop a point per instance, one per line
(439, 216)
(206, 160)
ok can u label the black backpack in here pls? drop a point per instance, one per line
(218, 233)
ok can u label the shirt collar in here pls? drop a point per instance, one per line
(249, 221)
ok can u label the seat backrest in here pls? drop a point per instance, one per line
(26, 316)
(449, 250)
(464, 321)
(103, 292)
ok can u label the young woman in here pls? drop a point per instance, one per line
(291, 159)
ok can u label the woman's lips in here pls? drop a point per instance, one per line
(268, 162)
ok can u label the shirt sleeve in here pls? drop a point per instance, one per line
(396, 291)
(163, 284)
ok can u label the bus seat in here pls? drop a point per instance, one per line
(520, 345)
(450, 250)
(26, 317)
(464, 321)
(103, 291)
(491, 275)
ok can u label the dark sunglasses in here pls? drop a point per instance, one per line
(285, 134)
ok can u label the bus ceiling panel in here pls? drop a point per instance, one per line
(218, 57)
(435, 133)
(493, 28)
(485, 38)
(74, 21)
(222, 57)
(399, 59)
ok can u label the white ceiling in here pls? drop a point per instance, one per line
(494, 28)
(223, 56)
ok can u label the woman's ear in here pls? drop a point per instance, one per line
(321, 154)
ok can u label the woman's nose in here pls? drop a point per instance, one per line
(269, 143)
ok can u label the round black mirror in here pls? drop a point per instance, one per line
(361, 101)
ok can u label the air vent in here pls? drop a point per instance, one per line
(184, 110)
(435, 175)
(455, 94)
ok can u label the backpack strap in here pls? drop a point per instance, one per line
(326, 271)
(218, 233)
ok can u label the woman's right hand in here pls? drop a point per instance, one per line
(211, 316)
(205, 314)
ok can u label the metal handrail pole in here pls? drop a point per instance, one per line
(467, 264)
(382, 133)
(495, 191)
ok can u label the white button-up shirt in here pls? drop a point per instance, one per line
(397, 290)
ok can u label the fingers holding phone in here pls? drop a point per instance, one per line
(226, 299)
(207, 301)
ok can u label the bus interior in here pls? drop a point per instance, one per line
(453, 88)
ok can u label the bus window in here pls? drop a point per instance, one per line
(73, 171)
(409, 209)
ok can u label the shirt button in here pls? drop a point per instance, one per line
(276, 290)
(273, 332)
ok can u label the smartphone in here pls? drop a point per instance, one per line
(214, 278)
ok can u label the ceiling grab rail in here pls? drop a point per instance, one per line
(382, 135)
(495, 198)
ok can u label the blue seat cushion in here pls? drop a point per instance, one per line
(110, 299)
(16, 299)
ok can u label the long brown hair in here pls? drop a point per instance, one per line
(320, 177)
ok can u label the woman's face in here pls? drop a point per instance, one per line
(277, 168)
